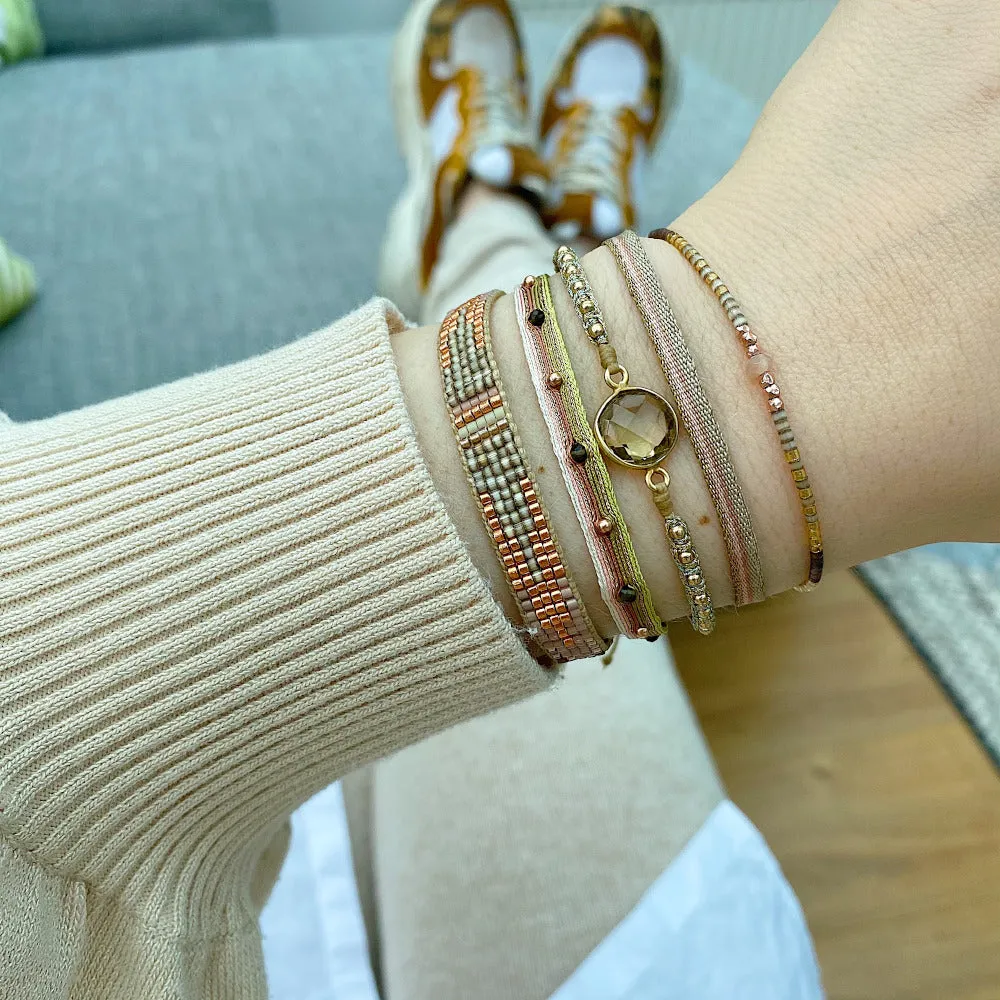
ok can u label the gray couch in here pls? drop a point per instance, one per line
(193, 189)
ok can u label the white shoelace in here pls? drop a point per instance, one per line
(501, 122)
(593, 165)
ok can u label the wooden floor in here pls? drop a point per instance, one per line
(881, 806)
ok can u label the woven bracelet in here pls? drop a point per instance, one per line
(554, 616)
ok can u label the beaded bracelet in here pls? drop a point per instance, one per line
(615, 426)
(553, 613)
(735, 521)
(587, 481)
(761, 366)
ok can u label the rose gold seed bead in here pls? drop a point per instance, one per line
(752, 350)
(766, 379)
(604, 526)
(772, 390)
(749, 337)
(555, 380)
(775, 403)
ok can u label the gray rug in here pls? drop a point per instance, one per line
(946, 598)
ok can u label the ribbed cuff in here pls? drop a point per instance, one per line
(217, 597)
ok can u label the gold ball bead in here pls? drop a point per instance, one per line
(586, 306)
(576, 286)
(686, 557)
(641, 632)
(701, 600)
(694, 580)
(555, 380)
(529, 281)
(677, 532)
(604, 526)
(596, 329)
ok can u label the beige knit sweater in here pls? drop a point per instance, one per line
(216, 597)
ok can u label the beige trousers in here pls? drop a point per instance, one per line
(492, 858)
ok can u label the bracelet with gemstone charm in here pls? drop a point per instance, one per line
(734, 518)
(586, 476)
(638, 428)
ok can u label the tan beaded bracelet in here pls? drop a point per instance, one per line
(556, 622)
(762, 367)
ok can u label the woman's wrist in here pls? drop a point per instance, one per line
(859, 394)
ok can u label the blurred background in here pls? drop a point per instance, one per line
(747, 43)
(196, 181)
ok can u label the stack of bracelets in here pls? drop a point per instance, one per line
(634, 427)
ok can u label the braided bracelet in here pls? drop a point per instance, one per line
(735, 522)
(761, 366)
(586, 476)
(553, 613)
(638, 429)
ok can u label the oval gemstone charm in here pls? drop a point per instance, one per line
(636, 427)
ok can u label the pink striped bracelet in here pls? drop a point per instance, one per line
(585, 474)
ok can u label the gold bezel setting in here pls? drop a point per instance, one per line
(661, 451)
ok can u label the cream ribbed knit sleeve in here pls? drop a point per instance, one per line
(216, 597)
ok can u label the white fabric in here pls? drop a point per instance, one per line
(444, 124)
(492, 165)
(721, 922)
(482, 39)
(608, 74)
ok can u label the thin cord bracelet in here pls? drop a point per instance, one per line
(735, 521)
(625, 592)
(553, 613)
(761, 365)
(638, 428)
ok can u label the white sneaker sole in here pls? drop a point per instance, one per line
(401, 256)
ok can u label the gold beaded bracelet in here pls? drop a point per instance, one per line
(762, 367)
(614, 426)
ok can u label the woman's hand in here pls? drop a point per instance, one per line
(862, 227)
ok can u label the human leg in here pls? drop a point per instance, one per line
(505, 850)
